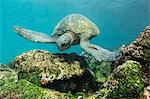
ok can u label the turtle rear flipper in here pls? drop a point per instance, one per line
(33, 35)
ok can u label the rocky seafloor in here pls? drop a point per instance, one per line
(39, 74)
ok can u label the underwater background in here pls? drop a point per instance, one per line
(120, 22)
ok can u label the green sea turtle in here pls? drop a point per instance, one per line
(71, 30)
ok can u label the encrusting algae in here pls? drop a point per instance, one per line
(124, 82)
(42, 65)
(56, 71)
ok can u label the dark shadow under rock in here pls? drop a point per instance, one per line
(85, 84)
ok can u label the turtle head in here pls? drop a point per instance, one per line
(64, 41)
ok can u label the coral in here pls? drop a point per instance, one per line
(24, 89)
(124, 81)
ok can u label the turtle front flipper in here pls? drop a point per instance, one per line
(33, 35)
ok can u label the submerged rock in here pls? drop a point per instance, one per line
(124, 82)
(13, 88)
(47, 67)
(24, 89)
(3, 65)
(127, 80)
(63, 72)
(139, 50)
(7, 75)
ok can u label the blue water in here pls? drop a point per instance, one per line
(120, 21)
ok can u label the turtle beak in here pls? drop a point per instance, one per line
(63, 42)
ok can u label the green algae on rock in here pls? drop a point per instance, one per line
(101, 71)
(26, 90)
(129, 80)
(7, 75)
(124, 81)
(62, 72)
(46, 67)
(139, 50)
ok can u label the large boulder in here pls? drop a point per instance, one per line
(124, 82)
(13, 88)
(63, 72)
(139, 50)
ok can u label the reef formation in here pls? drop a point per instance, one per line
(40, 74)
